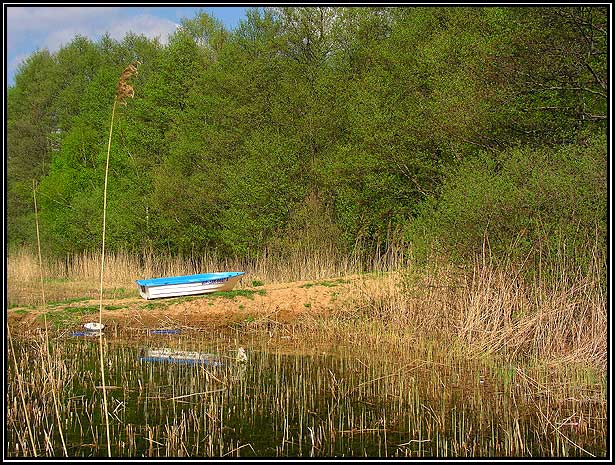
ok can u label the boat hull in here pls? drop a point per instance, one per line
(188, 285)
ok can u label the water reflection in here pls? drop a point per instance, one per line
(173, 395)
(179, 356)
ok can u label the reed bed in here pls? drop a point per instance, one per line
(490, 311)
(77, 275)
(325, 398)
(417, 362)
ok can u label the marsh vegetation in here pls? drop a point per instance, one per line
(418, 198)
(411, 363)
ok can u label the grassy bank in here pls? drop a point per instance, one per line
(78, 275)
(487, 309)
(436, 361)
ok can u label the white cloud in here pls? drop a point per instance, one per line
(54, 27)
(148, 25)
(51, 28)
(25, 19)
(31, 28)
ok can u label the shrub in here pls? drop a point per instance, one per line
(535, 206)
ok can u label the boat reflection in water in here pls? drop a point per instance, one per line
(180, 356)
(184, 356)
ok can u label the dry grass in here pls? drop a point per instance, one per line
(486, 309)
(377, 396)
(494, 311)
(78, 275)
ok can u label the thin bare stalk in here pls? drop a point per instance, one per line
(51, 377)
(38, 242)
(20, 384)
(102, 271)
(123, 91)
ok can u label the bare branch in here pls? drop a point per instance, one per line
(598, 80)
(595, 117)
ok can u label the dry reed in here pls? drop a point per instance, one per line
(494, 310)
(47, 353)
(487, 309)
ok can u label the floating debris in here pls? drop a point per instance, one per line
(241, 355)
(91, 329)
(94, 326)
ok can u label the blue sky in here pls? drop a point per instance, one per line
(31, 28)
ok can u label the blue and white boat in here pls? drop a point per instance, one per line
(175, 286)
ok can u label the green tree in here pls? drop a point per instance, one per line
(554, 72)
(526, 204)
(32, 137)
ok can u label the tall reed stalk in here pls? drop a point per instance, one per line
(102, 272)
(123, 90)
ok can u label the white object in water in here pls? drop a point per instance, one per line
(241, 355)
(94, 326)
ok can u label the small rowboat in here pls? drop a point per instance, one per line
(188, 285)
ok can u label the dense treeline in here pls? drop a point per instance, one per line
(321, 127)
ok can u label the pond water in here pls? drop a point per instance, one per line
(173, 395)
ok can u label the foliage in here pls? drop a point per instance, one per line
(321, 127)
(525, 205)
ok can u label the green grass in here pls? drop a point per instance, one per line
(21, 311)
(68, 301)
(115, 307)
(119, 292)
(257, 283)
(236, 293)
(153, 305)
(69, 316)
(326, 283)
(82, 310)
(11, 306)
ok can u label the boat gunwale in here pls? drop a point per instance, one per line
(189, 279)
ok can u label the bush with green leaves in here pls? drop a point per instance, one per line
(521, 204)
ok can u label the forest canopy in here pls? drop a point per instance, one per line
(318, 127)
